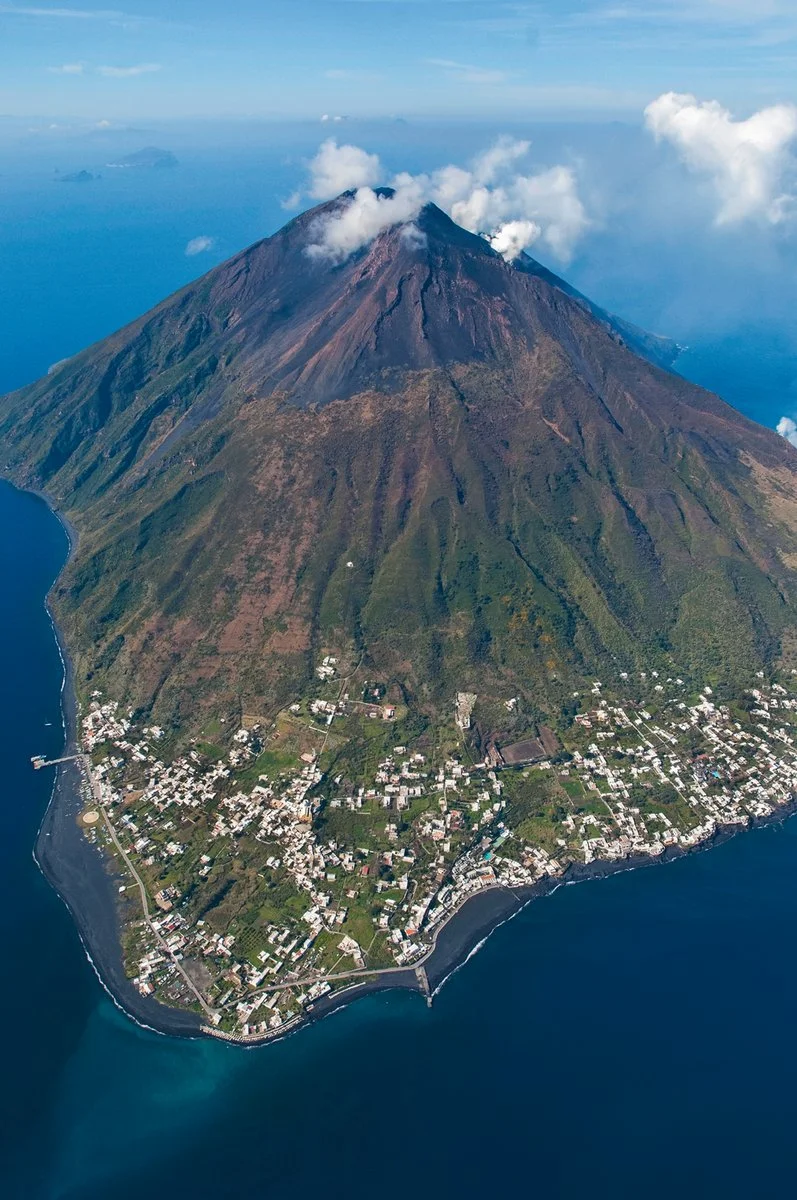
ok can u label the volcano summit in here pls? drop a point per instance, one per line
(524, 499)
(347, 529)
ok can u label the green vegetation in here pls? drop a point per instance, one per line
(296, 551)
(494, 527)
(272, 868)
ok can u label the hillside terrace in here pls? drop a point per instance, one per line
(267, 882)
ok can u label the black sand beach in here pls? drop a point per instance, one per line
(89, 888)
(88, 884)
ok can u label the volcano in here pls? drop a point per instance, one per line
(451, 468)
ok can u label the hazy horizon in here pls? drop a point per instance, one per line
(388, 57)
(650, 248)
(645, 153)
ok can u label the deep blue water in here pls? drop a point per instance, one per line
(633, 1037)
(630, 1037)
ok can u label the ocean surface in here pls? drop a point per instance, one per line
(629, 1037)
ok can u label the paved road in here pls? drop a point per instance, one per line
(95, 787)
(418, 966)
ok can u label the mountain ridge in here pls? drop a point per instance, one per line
(448, 465)
(232, 283)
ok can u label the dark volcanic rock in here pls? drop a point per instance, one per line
(524, 500)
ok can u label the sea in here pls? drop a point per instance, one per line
(629, 1037)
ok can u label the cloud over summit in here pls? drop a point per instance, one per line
(363, 218)
(490, 196)
(336, 169)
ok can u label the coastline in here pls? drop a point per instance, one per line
(466, 930)
(88, 884)
(80, 874)
(78, 871)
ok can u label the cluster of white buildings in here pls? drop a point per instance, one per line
(742, 772)
(634, 784)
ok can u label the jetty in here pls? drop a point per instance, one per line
(40, 761)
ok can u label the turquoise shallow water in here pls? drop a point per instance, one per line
(632, 1037)
(635, 1029)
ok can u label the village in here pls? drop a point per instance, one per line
(271, 887)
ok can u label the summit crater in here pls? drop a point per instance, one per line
(454, 467)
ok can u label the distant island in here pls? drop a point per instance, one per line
(150, 158)
(405, 586)
(77, 177)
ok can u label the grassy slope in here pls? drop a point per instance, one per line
(489, 551)
(514, 525)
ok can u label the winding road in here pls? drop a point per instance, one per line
(97, 793)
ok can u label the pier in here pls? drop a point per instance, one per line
(423, 980)
(40, 761)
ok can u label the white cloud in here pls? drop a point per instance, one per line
(467, 73)
(361, 220)
(355, 76)
(199, 245)
(501, 155)
(490, 197)
(78, 14)
(787, 428)
(292, 202)
(492, 194)
(128, 72)
(336, 169)
(514, 237)
(552, 199)
(414, 237)
(749, 163)
(76, 68)
(79, 68)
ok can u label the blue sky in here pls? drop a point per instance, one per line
(464, 58)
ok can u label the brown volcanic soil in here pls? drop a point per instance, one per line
(524, 500)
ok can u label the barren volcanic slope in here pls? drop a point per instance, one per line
(445, 466)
